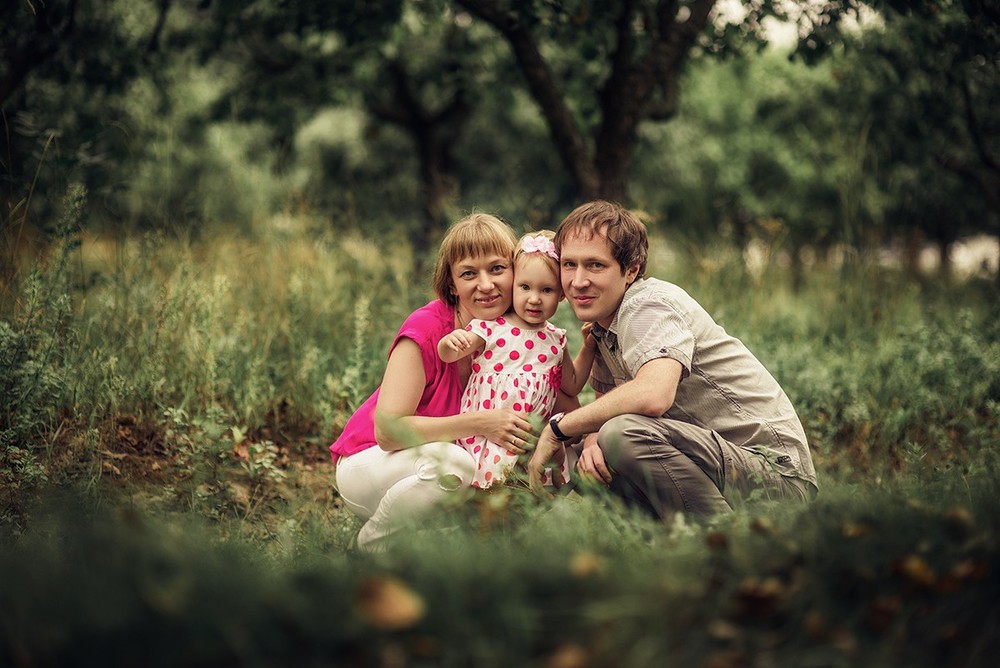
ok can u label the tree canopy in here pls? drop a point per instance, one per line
(363, 113)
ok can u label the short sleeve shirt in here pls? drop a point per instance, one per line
(723, 388)
(442, 388)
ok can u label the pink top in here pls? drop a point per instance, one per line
(442, 389)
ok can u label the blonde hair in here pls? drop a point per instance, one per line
(475, 235)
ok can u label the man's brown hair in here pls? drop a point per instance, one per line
(624, 230)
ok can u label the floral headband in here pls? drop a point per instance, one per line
(539, 244)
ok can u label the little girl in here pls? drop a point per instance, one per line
(519, 360)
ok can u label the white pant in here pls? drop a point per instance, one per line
(391, 490)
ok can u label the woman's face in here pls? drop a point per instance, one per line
(482, 284)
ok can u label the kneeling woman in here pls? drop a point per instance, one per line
(397, 460)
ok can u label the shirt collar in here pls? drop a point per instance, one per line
(610, 332)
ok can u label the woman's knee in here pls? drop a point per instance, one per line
(450, 465)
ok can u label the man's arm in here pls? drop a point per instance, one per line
(650, 393)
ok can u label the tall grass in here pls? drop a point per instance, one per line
(207, 377)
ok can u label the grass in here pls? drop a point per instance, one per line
(166, 493)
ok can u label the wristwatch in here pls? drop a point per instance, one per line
(554, 425)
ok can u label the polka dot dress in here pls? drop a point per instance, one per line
(517, 368)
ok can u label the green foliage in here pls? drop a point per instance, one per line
(897, 576)
(201, 381)
(33, 345)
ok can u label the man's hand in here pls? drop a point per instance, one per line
(591, 462)
(547, 448)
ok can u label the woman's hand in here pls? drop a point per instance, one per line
(507, 428)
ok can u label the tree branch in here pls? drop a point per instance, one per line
(546, 91)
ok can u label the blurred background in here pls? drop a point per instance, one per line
(804, 130)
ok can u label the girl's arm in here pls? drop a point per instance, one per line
(459, 344)
(576, 372)
(397, 428)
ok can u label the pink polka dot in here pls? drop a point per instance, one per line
(503, 397)
(476, 449)
(498, 367)
(496, 459)
(529, 407)
(516, 407)
(555, 351)
(541, 335)
(488, 476)
(542, 357)
(488, 354)
(514, 354)
(501, 320)
(527, 367)
(515, 382)
(470, 440)
(482, 324)
(486, 404)
(476, 368)
(516, 331)
(529, 344)
(501, 343)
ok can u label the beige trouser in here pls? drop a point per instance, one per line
(666, 465)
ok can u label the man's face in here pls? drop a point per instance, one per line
(592, 279)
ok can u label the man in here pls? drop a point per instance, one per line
(686, 418)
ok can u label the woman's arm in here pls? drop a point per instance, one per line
(397, 428)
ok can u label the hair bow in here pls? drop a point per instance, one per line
(539, 244)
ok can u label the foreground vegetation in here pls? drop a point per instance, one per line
(166, 494)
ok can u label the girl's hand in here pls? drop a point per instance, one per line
(588, 339)
(459, 340)
(508, 429)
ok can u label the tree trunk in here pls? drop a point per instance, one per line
(434, 133)
(636, 89)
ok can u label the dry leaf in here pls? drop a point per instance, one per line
(916, 569)
(568, 656)
(586, 565)
(388, 603)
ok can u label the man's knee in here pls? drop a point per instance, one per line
(619, 440)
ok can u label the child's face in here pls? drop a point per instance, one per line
(536, 289)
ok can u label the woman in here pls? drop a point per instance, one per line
(396, 460)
